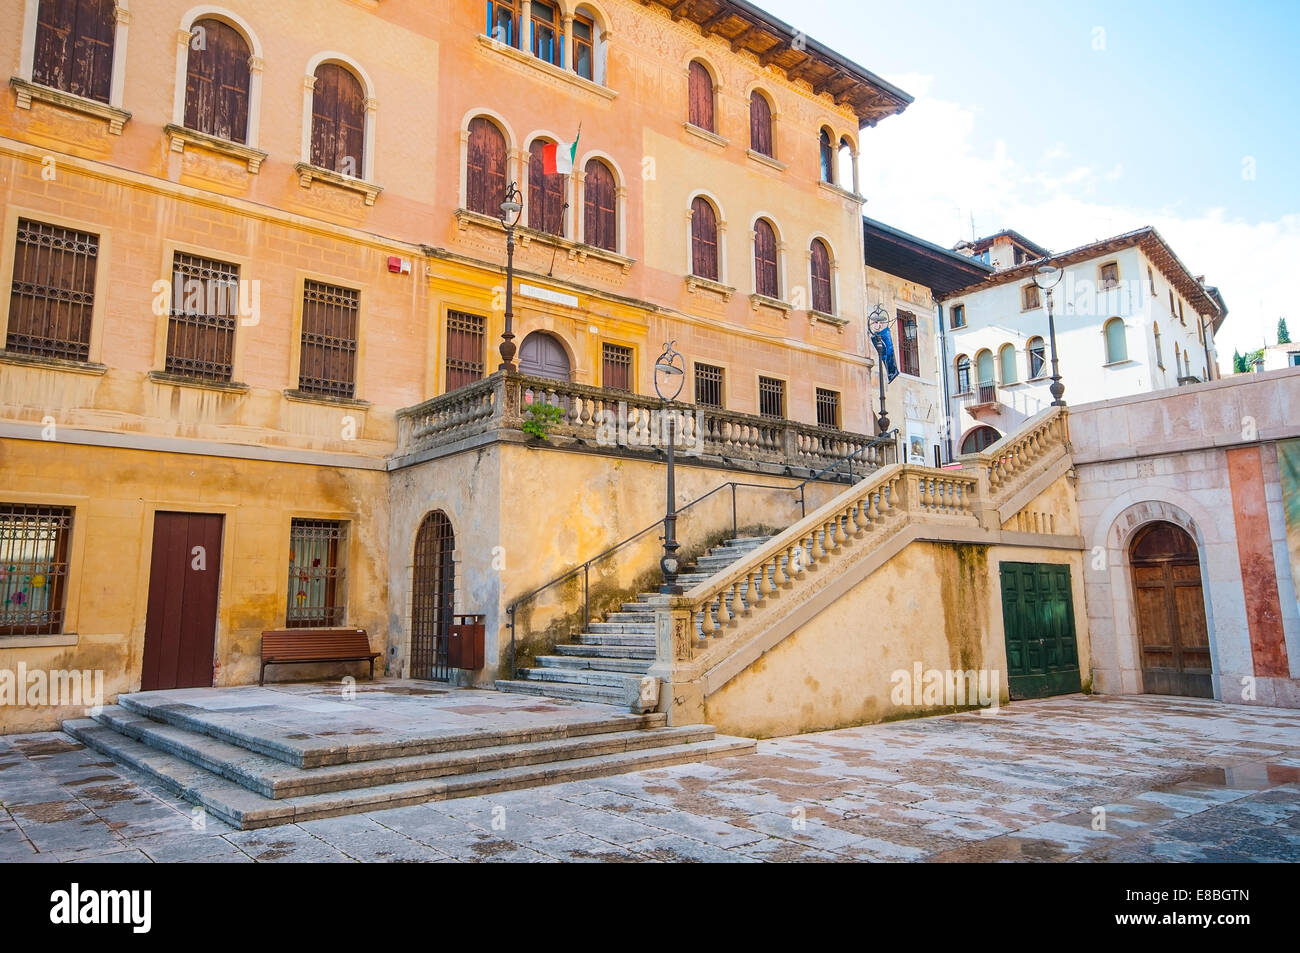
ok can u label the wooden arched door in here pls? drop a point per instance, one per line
(433, 594)
(1170, 610)
(542, 355)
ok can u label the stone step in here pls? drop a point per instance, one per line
(599, 694)
(621, 628)
(607, 651)
(317, 752)
(617, 638)
(276, 780)
(574, 676)
(646, 614)
(579, 662)
(247, 809)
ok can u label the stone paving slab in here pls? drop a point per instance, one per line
(1179, 780)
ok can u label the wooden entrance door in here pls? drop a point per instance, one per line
(1038, 620)
(543, 356)
(181, 621)
(1170, 610)
(433, 595)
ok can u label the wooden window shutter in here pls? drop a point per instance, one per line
(217, 82)
(704, 239)
(74, 46)
(600, 211)
(485, 176)
(329, 340)
(821, 277)
(545, 193)
(760, 124)
(701, 97)
(338, 121)
(765, 269)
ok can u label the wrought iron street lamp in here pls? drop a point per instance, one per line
(511, 209)
(670, 377)
(878, 323)
(1046, 277)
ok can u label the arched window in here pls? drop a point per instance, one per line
(584, 46)
(545, 192)
(217, 81)
(845, 175)
(1116, 342)
(984, 367)
(1187, 363)
(1037, 358)
(485, 167)
(503, 21)
(1007, 358)
(338, 121)
(980, 439)
(963, 373)
(74, 47)
(766, 274)
(1160, 354)
(821, 277)
(600, 206)
(760, 125)
(704, 239)
(701, 97)
(827, 156)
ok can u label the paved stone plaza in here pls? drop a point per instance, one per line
(1178, 779)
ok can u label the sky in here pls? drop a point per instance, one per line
(1072, 122)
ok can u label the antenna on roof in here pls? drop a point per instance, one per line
(973, 237)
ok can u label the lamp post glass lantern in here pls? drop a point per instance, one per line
(670, 378)
(512, 208)
(877, 324)
(1047, 276)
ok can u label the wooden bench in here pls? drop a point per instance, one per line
(290, 646)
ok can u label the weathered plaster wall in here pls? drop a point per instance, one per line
(115, 494)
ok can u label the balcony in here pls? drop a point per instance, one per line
(983, 399)
(616, 423)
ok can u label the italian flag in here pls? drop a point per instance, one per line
(557, 159)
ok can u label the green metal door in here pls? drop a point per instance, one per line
(1038, 619)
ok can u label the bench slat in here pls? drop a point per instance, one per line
(297, 646)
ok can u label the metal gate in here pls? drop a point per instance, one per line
(433, 593)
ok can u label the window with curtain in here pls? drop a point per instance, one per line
(1116, 341)
(74, 47)
(317, 574)
(485, 167)
(34, 545)
(704, 239)
(217, 81)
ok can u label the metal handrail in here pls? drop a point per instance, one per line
(585, 568)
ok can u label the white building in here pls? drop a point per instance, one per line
(1130, 319)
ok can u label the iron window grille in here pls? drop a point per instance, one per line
(771, 398)
(616, 367)
(466, 334)
(201, 327)
(329, 340)
(53, 291)
(33, 568)
(828, 408)
(317, 574)
(708, 386)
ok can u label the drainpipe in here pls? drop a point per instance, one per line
(943, 377)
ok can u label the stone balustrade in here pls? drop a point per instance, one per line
(622, 422)
(1012, 458)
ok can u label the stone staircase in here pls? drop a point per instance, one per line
(252, 766)
(605, 663)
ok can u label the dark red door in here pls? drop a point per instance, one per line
(184, 578)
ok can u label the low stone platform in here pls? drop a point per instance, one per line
(258, 756)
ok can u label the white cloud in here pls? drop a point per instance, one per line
(922, 173)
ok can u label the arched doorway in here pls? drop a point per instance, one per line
(980, 439)
(542, 355)
(1170, 611)
(433, 594)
